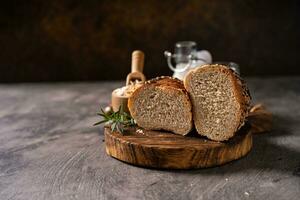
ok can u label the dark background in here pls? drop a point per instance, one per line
(93, 40)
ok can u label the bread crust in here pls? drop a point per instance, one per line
(168, 84)
(241, 92)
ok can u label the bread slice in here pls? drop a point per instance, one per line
(220, 101)
(162, 104)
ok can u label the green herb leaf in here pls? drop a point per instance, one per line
(118, 120)
(113, 126)
(102, 121)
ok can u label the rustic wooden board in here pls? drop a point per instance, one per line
(158, 149)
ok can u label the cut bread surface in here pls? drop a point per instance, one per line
(220, 101)
(162, 104)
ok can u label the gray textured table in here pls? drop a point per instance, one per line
(49, 150)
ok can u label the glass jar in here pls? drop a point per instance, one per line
(186, 57)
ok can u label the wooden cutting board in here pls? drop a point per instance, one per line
(159, 149)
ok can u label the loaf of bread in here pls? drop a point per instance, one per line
(162, 104)
(220, 101)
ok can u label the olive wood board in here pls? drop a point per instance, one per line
(164, 150)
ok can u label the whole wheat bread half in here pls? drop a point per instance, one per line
(162, 104)
(220, 101)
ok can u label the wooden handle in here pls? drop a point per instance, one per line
(137, 61)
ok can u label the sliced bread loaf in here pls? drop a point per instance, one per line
(220, 101)
(162, 104)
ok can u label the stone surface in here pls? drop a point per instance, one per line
(50, 150)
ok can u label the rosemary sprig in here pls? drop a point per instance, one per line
(118, 121)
